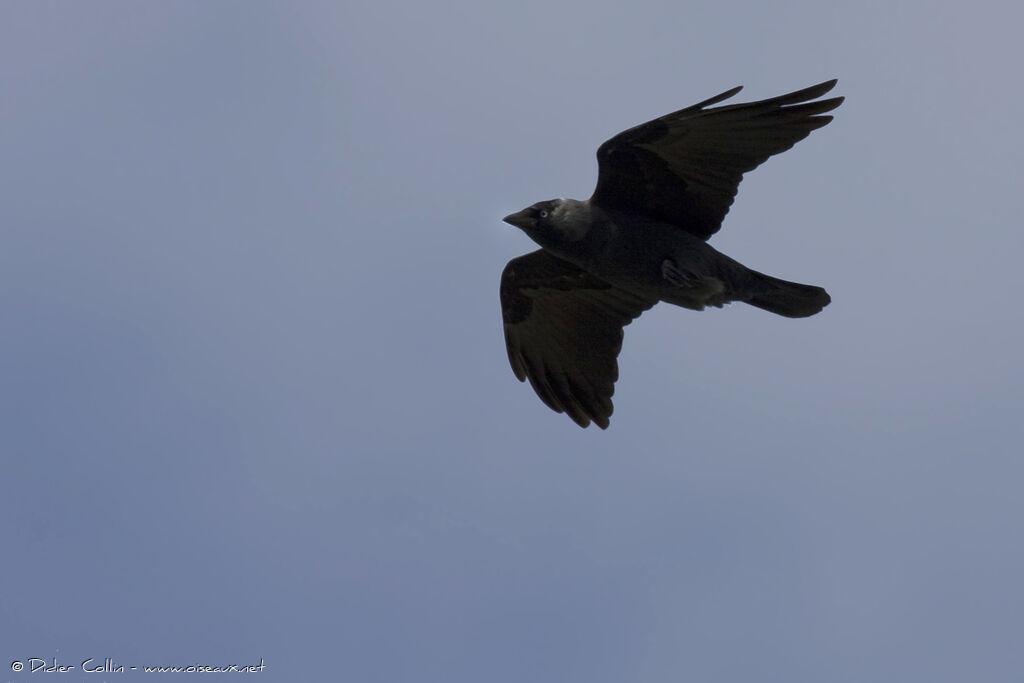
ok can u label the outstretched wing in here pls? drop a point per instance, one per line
(563, 332)
(684, 168)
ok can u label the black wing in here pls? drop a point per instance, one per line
(684, 168)
(563, 332)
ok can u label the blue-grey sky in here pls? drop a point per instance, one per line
(254, 398)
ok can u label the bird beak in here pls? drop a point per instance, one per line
(520, 219)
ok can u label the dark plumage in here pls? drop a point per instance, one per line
(663, 189)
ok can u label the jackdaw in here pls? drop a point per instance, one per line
(663, 188)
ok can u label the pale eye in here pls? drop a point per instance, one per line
(543, 213)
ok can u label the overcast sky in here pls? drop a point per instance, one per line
(254, 397)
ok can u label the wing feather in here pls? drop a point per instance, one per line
(563, 333)
(684, 168)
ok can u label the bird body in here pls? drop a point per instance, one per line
(658, 262)
(663, 188)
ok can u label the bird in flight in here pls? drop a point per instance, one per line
(663, 188)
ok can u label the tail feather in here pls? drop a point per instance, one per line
(790, 299)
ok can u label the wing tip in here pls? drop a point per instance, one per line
(584, 420)
(820, 89)
(713, 100)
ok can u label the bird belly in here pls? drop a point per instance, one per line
(668, 266)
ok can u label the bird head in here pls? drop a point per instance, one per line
(554, 223)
